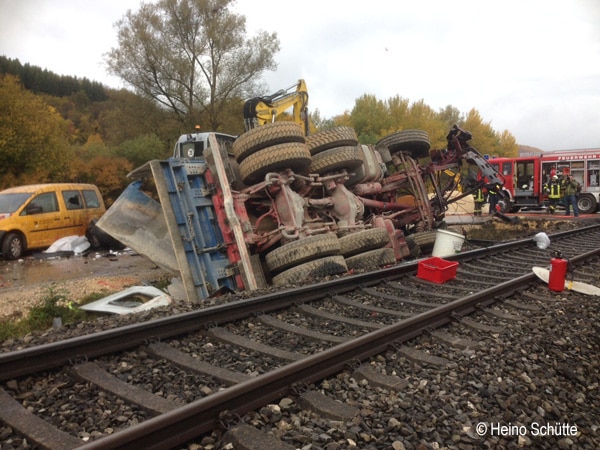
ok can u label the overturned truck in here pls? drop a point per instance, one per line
(276, 207)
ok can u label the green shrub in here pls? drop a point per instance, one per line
(41, 316)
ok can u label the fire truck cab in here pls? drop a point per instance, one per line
(526, 176)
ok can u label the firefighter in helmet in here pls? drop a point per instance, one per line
(553, 189)
(493, 197)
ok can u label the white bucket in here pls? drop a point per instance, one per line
(447, 243)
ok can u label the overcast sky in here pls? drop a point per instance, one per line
(531, 67)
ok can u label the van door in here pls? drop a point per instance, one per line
(41, 217)
(74, 216)
(94, 207)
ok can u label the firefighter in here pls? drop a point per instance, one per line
(571, 187)
(493, 197)
(553, 189)
(479, 200)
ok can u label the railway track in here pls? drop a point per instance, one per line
(189, 377)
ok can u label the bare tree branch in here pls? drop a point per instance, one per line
(191, 56)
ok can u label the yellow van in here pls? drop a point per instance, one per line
(37, 215)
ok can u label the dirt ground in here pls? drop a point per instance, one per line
(26, 282)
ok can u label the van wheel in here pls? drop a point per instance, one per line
(12, 246)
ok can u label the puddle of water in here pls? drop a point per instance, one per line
(33, 271)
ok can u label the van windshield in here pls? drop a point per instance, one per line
(9, 203)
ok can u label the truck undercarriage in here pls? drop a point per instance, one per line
(275, 207)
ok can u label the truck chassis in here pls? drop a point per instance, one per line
(275, 207)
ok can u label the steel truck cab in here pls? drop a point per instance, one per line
(192, 145)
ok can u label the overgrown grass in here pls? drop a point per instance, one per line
(54, 304)
(41, 316)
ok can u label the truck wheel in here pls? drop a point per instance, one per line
(301, 251)
(413, 248)
(586, 203)
(266, 136)
(318, 268)
(337, 158)
(424, 238)
(363, 241)
(293, 155)
(416, 142)
(372, 259)
(13, 246)
(335, 137)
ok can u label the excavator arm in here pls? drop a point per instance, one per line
(459, 149)
(261, 110)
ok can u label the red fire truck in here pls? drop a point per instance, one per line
(525, 177)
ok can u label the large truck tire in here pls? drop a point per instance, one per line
(335, 137)
(318, 268)
(413, 248)
(363, 241)
(586, 204)
(301, 251)
(372, 259)
(266, 136)
(338, 158)
(292, 155)
(415, 142)
(424, 238)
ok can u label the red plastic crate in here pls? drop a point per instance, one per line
(436, 269)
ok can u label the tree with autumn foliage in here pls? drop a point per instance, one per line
(37, 145)
(488, 141)
(34, 139)
(192, 57)
(374, 119)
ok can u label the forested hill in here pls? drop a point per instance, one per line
(42, 81)
(57, 128)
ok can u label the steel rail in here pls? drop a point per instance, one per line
(183, 424)
(56, 354)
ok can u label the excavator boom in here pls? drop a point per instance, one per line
(265, 109)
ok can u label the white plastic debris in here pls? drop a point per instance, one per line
(542, 240)
(131, 300)
(75, 244)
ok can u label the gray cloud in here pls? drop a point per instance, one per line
(531, 67)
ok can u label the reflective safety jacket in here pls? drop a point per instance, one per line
(553, 190)
(478, 197)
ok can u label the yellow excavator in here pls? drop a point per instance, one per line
(261, 110)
